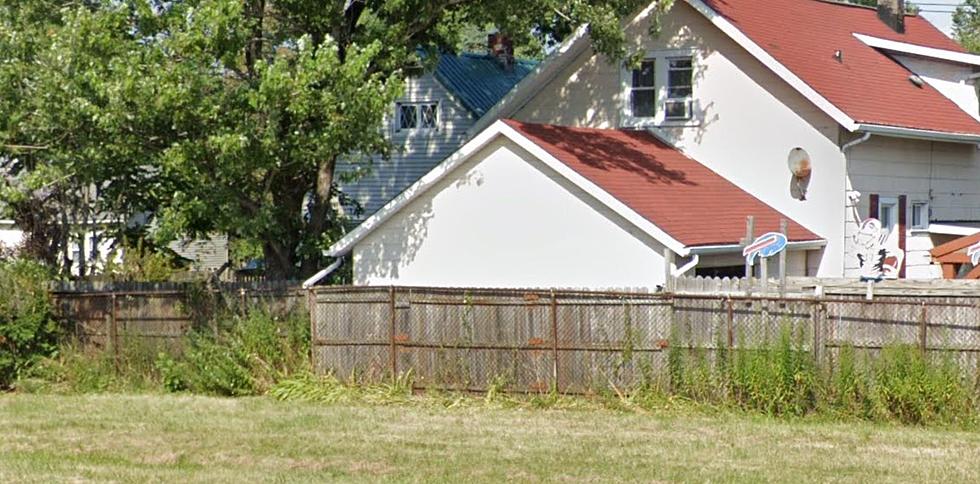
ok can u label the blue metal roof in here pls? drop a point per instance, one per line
(479, 80)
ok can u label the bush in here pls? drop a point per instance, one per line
(28, 330)
(245, 356)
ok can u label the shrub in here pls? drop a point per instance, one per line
(245, 356)
(28, 330)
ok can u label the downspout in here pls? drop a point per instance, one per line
(844, 149)
(322, 274)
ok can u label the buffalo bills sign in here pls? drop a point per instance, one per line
(766, 245)
(974, 252)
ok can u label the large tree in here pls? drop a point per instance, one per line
(231, 115)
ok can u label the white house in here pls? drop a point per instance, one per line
(882, 106)
(531, 205)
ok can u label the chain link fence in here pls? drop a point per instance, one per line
(579, 342)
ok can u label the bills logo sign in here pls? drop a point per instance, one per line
(766, 245)
(974, 252)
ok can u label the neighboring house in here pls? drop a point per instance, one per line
(880, 108)
(431, 121)
(530, 205)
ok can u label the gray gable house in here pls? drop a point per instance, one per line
(430, 122)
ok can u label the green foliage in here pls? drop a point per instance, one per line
(247, 356)
(28, 330)
(76, 370)
(914, 390)
(778, 379)
(966, 25)
(900, 384)
(237, 111)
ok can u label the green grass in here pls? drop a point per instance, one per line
(192, 438)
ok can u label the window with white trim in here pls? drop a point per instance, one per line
(919, 211)
(660, 89)
(680, 88)
(643, 90)
(420, 116)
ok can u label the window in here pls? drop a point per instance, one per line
(680, 74)
(920, 215)
(888, 214)
(660, 89)
(416, 116)
(643, 90)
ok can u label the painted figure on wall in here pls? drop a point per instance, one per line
(878, 256)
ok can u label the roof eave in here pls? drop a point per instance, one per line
(923, 134)
(919, 50)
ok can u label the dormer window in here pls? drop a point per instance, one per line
(660, 89)
(416, 116)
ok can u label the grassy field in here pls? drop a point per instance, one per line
(185, 438)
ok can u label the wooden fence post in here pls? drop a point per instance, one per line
(311, 310)
(923, 335)
(393, 349)
(554, 340)
(817, 317)
(114, 331)
(241, 300)
(731, 324)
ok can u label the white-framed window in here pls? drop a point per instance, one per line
(416, 116)
(919, 215)
(888, 214)
(643, 90)
(680, 87)
(660, 90)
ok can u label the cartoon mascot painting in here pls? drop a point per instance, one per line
(877, 258)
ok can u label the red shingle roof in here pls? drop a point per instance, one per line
(684, 198)
(868, 86)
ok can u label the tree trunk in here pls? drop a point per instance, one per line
(319, 209)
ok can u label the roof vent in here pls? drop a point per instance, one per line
(915, 79)
(892, 13)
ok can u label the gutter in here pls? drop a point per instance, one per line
(911, 133)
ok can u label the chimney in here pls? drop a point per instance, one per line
(892, 12)
(501, 48)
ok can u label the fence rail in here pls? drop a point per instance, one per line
(535, 340)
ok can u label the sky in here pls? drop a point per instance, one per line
(939, 12)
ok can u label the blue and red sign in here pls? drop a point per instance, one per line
(974, 252)
(766, 245)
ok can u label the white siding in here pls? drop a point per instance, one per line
(503, 219)
(748, 121)
(412, 155)
(947, 175)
